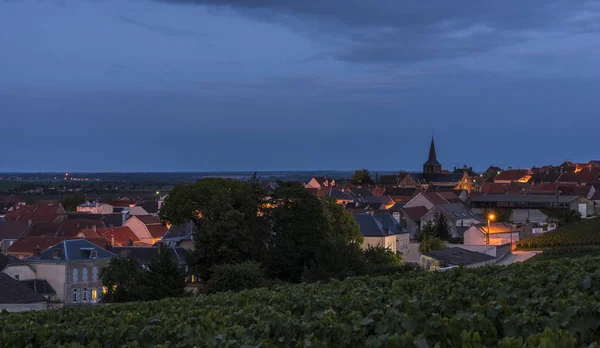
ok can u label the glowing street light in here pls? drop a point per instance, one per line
(490, 218)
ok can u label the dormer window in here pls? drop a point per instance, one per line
(94, 254)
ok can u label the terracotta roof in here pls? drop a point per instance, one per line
(513, 174)
(13, 229)
(494, 187)
(38, 212)
(586, 175)
(24, 246)
(157, 230)
(122, 235)
(48, 229)
(549, 187)
(70, 228)
(148, 219)
(415, 213)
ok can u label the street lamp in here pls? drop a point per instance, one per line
(490, 218)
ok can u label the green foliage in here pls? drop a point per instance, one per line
(299, 226)
(585, 232)
(164, 277)
(236, 277)
(442, 227)
(530, 304)
(562, 216)
(124, 280)
(501, 214)
(341, 221)
(361, 177)
(426, 230)
(229, 215)
(380, 260)
(430, 244)
(70, 202)
(335, 258)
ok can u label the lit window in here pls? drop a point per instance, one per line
(104, 290)
(75, 275)
(74, 296)
(114, 288)
(84, 274)
(193, 278)
(94, 294)
(84, 295)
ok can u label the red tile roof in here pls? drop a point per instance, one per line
(494, 187)
(148, 219)
(13, 229)
(586, 175)
(513, 174)
(23, 247)
(121, 235)
(37, 212)
(157, 231)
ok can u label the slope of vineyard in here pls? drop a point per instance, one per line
(545, 303)
(584, 232)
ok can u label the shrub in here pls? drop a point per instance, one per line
(236, 277)
(430, 244)
(379, 260)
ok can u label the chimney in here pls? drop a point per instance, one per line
(94, 228)
(56, 253)
(30, 223)
(112, 239)
(37, 251)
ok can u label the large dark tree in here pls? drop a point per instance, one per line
(442, 227)
(164, 277)
(361, 177)
(123, 279)
(232, 226)
(299, 226)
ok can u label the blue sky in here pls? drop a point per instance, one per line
(144, 85)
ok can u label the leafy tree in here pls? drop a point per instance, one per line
(230, 218)
(341, 221)
(298, 225)
(123, 279)
(381, 260)
(442, 227)
(70, 202)
(426, 230)
(430, 244)
(164, 277)
(335, 258)
(236, 277)
(361, 177)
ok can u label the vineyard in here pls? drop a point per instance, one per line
(545, 303)
(584, 233)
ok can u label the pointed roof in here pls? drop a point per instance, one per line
(432, 155)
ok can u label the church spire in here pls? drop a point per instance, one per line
(432, 155)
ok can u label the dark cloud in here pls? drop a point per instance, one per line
(408, 31)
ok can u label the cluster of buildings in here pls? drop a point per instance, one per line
(50, 257)
(392, 209)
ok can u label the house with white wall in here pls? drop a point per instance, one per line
(500, 233)
(95, 208)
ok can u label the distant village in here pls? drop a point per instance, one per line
(50, 257)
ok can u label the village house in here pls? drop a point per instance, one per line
(114, 236)
(180, 236)
(95, 208)
(320, 182)
(146, 208)
(10, 231)
(499, 234)
(511, 175)
(458, 215)
(426, 199)
(71, 267)
(147, 228)
(375, 234)
(411, 219)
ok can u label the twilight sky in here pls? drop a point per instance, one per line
(146, 85)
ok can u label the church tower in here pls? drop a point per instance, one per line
(432, 166)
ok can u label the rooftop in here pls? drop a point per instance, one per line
(458, 256)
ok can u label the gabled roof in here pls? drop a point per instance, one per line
(586, 175)
(458, 256)
(458, 211)
(151, 207)
(387, 221)
(450, 196)
(340, 195)
(13, 229)
(378, 199)
(415, 213)
(75, 250)
(513, 174)
(445, 177)
(371, 227)
(40, 286)
(91, 204)
(494, 187)
(122, 235)
(113, 220)
(525, 198)
(434, 197)
(13, 292)
(180, 232)
(6, 260)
